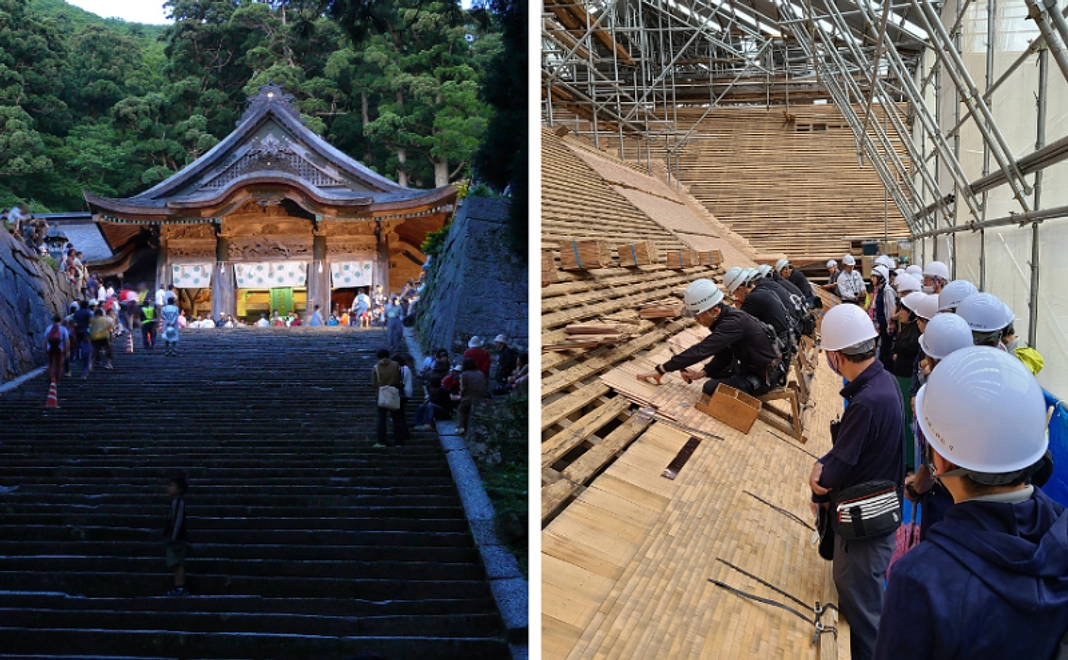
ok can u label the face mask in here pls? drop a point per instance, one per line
(928, 289)
(830, 364)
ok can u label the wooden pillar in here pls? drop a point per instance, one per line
(382, 261)
(163, 269)
(319, 278)
(223, 293)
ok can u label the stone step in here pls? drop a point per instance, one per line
(429, 568)
(200, 522)
(294, 551)
(109, 643)
(223, 511)
(131, 585)
(379, 498)
(430, 625)
(264, 535)
(305, 540)
(251, 604)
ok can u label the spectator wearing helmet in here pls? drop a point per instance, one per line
(987, 317)
(915, 271)
(758, 298)
(738, 351)
(991, 581)
(953, 294)
(787, 272)
(883, 311)
(832, 276)
(904, 359)
(850, 286)
(906, 284)
(935, 277)
(866, 447)
(943, 335)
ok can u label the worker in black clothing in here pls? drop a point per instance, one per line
(787, 272)
(758, 297)
(790, 295)
(739, 351)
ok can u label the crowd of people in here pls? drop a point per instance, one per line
(942, 407)
(31, 230)
(452, 387)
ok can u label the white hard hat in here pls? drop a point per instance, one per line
(780, 264)
(945, 334)
(936, 269)
(845, 326)
(982, 410)
(905, 283)
(928, 307)
(985, 313)
(912, 300)
(883, 260)
(735, 277)
(848, 260)
(832, 264)
(899, 271)
(915, 271)
(763, 269)
(753, 275)
(882, 272)
(702, 295)
(954, 293)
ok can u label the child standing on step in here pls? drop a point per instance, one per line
(174, 537)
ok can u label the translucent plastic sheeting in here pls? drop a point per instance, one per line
(1008, 270)
(1052, 337)
(969, 245)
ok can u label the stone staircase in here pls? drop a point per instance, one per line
(305, 541)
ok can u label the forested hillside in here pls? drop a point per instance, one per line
(114, 108)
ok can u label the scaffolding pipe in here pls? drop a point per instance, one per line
(1058, 22)
(1040, 16)
(875, 64)
(1040, 140)
(1020, 219)
(962, 80)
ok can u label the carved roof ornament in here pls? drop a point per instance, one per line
(271, 94)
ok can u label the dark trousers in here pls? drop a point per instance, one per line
(427, 413)
(85, 353)
(722, 369)
(148, 334)
(859, 567)
(400, 425)
(55, 365)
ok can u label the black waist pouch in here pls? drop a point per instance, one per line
(868, 510)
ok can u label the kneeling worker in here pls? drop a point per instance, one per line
(991, 580)
(738, 350)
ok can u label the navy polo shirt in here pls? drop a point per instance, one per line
(871, 436)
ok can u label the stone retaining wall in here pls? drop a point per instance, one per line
(30, 293)
(476, 285)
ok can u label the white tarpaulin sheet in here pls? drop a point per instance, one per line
(271, 274)
(346, 274)
(191, 276)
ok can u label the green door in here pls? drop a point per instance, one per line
(282, 300)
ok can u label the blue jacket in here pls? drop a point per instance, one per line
(990, 582)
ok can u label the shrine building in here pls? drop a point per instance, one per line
(274, 217)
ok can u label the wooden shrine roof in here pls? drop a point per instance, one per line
(270, 156)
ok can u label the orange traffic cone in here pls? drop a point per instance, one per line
(129, 344)
(53, 397)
